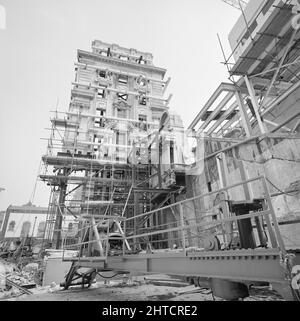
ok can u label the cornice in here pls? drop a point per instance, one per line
(119, 62)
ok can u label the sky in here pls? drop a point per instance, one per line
(37, 53)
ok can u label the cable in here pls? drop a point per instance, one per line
(285, 193)
(35, 185)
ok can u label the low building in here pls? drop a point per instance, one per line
(29, 220)
(24, 221)
(2, 213)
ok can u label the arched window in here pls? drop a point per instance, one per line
(25, 229)
(11, 226)
(70, 227)
(41, 229)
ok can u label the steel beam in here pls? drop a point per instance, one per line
(220, 89)
(255, 104)
(217, 110)
(244, 115)
(251, 265)
(286, 51)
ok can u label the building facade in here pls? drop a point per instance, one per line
(118, 134)
(29, 221)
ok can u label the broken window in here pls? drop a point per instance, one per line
(122, 96)
(141, 61)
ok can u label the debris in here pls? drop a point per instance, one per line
(31, 267)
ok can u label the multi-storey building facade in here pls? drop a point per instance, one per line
(111, 139)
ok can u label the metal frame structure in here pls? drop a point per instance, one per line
(236, 114)
(269, 264)
(263, 76)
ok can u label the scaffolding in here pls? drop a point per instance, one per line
(142, 209)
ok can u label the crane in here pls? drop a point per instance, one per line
(238, 4)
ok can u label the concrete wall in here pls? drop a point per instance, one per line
(277, 159)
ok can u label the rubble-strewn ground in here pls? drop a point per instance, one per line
(138, 291)
(139, 288)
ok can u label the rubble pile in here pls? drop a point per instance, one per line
(24, 278)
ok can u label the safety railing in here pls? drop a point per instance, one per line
(208, 222)
(189, 225)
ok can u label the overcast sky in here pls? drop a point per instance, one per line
(38, 51)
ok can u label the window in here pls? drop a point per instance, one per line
(70, 227)
(97, 122)
(125, 58)
(100, 121)
(156, 119)
(25, 229)
(121, 113)
(11, 226)
(141, 81)
(172, 152)
(41, 229)
(102, 73)
(141, 61)
(122, 96)
(143, 121)
(101, 93)
(100, 112)
(123, 80)
(209, 187)
(142, 118)
(121, 138)
(142, 100)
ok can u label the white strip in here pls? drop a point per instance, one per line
(2, 17)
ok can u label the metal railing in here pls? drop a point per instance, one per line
(206, 225)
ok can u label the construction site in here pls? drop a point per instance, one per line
(140, 203)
